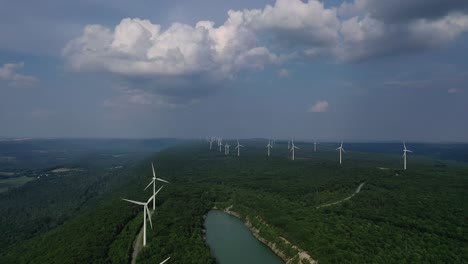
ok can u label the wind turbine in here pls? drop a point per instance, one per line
(145, 211)
(238, 148)
(315, 146)
(292, 148)
(269, 146)
(220, 144)
(341, 149)
(226, 149)
(211, 142)
(154, 184)
(404, 154)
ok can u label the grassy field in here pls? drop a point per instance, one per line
(5, 184)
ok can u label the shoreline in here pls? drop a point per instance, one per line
(302, 255)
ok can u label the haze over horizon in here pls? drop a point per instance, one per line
(362, 70)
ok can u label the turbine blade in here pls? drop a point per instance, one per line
(158, 190)
(149, 216)
(149, 185)
(343, 150)
(409, 151)
(135, 202)
(154, 174)
(164, 261)
(159, 179)
(154, 195)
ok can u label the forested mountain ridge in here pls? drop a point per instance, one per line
(399, 216)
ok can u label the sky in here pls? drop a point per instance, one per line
(356, 70)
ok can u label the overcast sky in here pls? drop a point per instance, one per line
(362, 70)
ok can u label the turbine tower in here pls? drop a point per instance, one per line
(154, 184)
(220, 144)
(226, 149)
(404, 154)
(145, 211)
(292, 148)
(238, 148)
(211, 142)
(341, 149)
(269, 146)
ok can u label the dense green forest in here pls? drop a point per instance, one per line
(418, 215)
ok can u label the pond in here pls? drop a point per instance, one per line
(231, 242)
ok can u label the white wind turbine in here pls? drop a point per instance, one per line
(211, 142)
(154, 184)
(404, 154)
(292, 148)
(238, 148)
(269, 146)
(226, 148)
(341, 149)
(220, 144)
(145, 211)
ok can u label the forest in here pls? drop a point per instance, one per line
(418, 215)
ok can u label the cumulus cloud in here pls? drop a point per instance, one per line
(372, 28)
(8, 73)
(403, 10)
(205, 55)
(319, 107)
(366, 37)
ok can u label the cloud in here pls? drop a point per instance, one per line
(319, 107)
(8, 74)
(397, 11)
(369, 38)
(296, 23)
(192, 60)
(283, 73)
(454, 90)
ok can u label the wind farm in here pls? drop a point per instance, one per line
(232, 132)
(313, 191)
